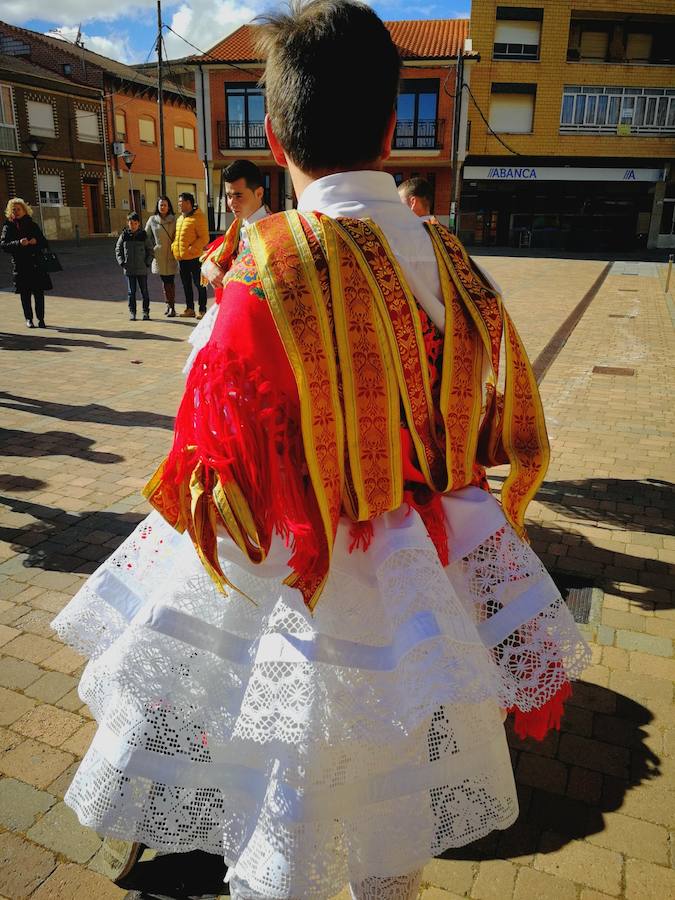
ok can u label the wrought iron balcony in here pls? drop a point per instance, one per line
(241, 136)
(419, 134)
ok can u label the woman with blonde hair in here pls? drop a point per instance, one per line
(24, 240)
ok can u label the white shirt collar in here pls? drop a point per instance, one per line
(373, 195)
(350, 192)
(256, 216)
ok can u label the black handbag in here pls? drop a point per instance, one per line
(49, 261)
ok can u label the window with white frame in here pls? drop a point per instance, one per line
(87, 126)
(184, 137)
(146, 130)
(41, 119)
(50, 190)
(512, 108)
(617, 110)
(8, 138)
(517, 33)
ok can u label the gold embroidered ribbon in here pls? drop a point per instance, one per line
(352, 332)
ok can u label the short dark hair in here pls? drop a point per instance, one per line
(244, 168)
(418, 187)
(133, 217)
(329, 110)
(186, 195)
(168, 200)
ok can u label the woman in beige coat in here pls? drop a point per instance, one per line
(161, 228)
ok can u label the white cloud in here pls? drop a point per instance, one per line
(72, 12)
(112, 45)
(205, 22)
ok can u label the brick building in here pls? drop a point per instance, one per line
(66, 121)
(125, 102)
(234, 107)
(584, 94)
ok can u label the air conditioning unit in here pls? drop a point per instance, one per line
(118, 148)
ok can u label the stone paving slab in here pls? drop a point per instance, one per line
(597, 800)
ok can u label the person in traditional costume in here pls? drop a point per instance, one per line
(244, 191)
(300, 660)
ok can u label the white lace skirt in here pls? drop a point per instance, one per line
(313, 750)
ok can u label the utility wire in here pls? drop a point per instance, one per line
(480, 111)
(203, 52)
(492, 132)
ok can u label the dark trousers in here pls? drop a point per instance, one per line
(142, 282)
(39, 304)
(191, 274)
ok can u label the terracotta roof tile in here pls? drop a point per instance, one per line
(416, 39)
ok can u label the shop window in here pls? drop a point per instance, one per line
(8, 138)
(50, 190)
(146, 130)
(517, 33)
(184, 137)
(41, 119)
(87, 126)
(512, 108)
(417, 127)
(245, 117)
(120, 126)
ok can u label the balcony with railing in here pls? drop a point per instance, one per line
(419, 134)
(242, 136)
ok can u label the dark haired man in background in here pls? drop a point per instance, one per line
(192, 235)
(327, 464)
(418, 194)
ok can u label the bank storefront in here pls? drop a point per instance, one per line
(571, 206)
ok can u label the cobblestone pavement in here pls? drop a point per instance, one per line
(86, 414)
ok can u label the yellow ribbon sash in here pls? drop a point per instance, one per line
(352, 331)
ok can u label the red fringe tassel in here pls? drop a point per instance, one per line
(243, 429)
(538, 722)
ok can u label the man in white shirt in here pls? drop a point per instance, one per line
(244, 191)
(417, 194)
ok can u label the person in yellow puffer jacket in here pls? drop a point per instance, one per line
(192, 235)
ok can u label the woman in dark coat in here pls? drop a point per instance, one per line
(23, 238)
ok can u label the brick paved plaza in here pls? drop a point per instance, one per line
(86, 414)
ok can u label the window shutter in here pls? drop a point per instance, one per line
(87, 126)
(146, 131)
(512, 113)
(41, 118)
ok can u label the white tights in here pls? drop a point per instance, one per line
(398, 887)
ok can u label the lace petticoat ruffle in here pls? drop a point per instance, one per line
(312, 750)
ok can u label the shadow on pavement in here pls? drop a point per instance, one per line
(615, 573)
(63, 541)
(20, 483)
(122, 334)
(645, 506)
(90, 412)
(567, 782)
(45, 341)
(14, 442)
(648, 503)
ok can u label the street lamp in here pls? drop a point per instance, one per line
(128, 158)
(34, 147)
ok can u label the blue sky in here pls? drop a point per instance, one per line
(126, 29)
